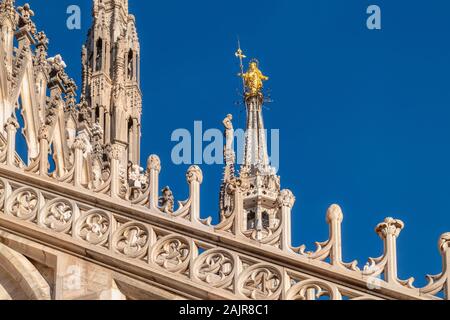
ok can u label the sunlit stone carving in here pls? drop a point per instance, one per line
(132, 240)
(91, 223)
(94, 227)
(172, 253)
(58, 215)
(24, 204)
(215, 267)
(261, 282)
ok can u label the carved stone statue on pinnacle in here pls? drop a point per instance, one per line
(229, 132)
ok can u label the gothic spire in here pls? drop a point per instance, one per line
(258, 210)
(256, 157)
(111, 63)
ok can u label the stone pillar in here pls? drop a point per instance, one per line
(107, 132)
(11, 127)
(286, 201)
(132, 142)
(7, 29)
(107, 58)
(194, 178)
(115, 162)
(311, 294)
(44, 137)
(135, 138)
(154, 168)
(389, 230)
(444, 247)
(9, 25)
(122, 149)
(138, 143)
(334, 219)
(239, 224)
(101, 115)
(135, 64)
(116, 152)
(80, 148)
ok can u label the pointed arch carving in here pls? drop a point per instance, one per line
(27, 278)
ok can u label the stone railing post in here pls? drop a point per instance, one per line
(444, 247)
(80, 148)
(11, 127)
(238, 223)
(334, 219)
(154, 168)
(194, 178)
(44, 137)
(286, 200)
(115, 155)
(389, 230)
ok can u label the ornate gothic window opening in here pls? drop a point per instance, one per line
(251, 220)
(130, 65)
(97, 113)
(265, 219)
(99, 55)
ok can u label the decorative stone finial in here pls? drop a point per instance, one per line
(286, 198)
(444, 242)
(26, 13)
(41, 39)
(154, 163)
(194, 174)
(44, 132)
(12, 124)
(335, 213)
(390, 226)
(79, 144)
(115, 152)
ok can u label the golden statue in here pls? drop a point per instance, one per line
(253, 79)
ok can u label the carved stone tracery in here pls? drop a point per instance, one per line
(216, 268)
(24, 204)
(94, 227)
(94, 146)
(58, 215)
(172, 253)
(261, 282)
(132, 240)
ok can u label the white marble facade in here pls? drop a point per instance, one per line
(97, 226)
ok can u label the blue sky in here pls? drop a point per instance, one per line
(363, 115)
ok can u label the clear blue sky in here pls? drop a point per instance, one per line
(364, 115)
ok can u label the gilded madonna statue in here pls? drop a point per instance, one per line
(253, 79)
